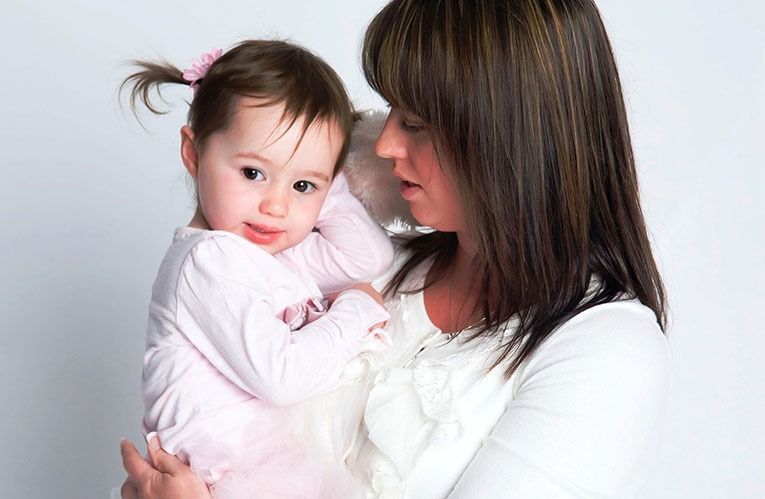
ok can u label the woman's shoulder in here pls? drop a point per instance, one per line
(621, 325)
(625, 322)
(618, 343)
(601, 380)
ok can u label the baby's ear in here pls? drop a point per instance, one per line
(370, 177)
(189, 154)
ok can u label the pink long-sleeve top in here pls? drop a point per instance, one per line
(232, 327)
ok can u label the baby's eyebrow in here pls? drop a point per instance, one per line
(254, 155)
(314, 173)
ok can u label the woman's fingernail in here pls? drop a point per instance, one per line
(152, 440)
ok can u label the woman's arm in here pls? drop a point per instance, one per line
(586, 419)
(166, 478)
(349, 246)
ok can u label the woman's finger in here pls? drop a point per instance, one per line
(138, 469)
(129, 490)
(167, 478)
(164, 462)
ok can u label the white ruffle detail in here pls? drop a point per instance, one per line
(432, 383)
(407, 410)
(411, 407)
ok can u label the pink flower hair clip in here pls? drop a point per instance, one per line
(199, 68)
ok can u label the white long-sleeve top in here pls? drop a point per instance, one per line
(232, 327)
(581, 418)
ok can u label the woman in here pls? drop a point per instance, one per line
(528, 357)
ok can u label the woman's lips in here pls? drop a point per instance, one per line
(261, 234)
(408, 189)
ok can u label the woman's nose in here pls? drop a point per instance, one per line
(275, 204)
(390, 143)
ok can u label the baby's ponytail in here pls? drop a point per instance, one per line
(150, 75)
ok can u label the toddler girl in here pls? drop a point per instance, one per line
(237, 328)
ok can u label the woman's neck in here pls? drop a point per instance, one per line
(462, 267)
(453, 302)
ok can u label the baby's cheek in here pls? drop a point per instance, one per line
(314, 209)
(303, 225)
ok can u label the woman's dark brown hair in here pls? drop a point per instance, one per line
(526, 111)
(276, 72)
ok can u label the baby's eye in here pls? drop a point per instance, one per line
(252, 173)
(304, 186)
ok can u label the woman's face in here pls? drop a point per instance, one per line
(431, 193)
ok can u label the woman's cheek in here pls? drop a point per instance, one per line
(445, 214)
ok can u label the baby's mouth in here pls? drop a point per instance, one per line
(264, 229)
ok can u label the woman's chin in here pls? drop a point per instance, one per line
(437, 223)
(426, 218)
(421, 215)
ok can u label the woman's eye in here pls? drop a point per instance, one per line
(304, 186)
(252, 173)
(410, 127)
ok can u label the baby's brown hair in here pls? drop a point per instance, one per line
(276, 72)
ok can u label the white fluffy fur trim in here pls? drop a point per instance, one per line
(370, 177)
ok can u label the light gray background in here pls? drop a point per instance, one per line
(88, 201)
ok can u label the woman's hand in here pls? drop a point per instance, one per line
(165, 477)
(368, 289)
(372, 292)
(362, 286)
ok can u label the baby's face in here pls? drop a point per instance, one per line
(258, 180)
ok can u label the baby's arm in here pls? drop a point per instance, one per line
(226, 310)
(350, 247)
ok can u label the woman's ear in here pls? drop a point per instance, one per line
(189, 151)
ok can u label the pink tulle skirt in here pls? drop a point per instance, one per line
(280, 457)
